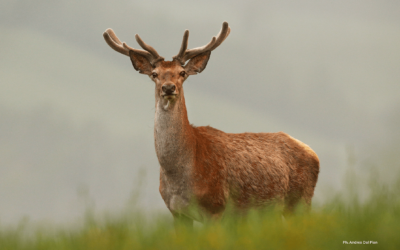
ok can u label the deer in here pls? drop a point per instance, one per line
(203, 169)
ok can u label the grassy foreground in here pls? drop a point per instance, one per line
(344, 218)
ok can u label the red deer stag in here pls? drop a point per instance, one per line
(203, 168)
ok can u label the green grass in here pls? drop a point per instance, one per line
(343, 218)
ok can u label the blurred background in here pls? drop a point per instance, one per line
(76, 120)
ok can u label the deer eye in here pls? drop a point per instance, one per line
(154, 74)
(183, 74)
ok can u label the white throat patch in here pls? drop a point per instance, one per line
(167, 105)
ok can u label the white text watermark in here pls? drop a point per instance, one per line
(357, 242)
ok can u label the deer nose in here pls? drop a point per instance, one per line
(168, 89)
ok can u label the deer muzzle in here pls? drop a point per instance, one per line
(168, 91)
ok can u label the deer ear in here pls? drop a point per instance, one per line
(140, 63)
(198, 63)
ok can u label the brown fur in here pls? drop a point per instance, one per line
(252, 169)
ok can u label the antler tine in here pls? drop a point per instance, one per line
(190, 53)
(223, 34)
(153, 52)
(113, 41)
(185, 55)
(121, 47)
(183, 48)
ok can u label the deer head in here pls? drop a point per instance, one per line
(168, 75)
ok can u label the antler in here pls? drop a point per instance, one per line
(121, 47)
(186, 54)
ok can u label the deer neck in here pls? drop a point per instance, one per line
(173, 135)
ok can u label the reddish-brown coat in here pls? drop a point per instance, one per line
(252, 169)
